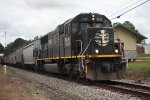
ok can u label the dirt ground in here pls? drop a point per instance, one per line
(137, 76)
(14, 88)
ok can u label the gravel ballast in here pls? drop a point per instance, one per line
(57, 88)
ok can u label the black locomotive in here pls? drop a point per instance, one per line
(81, 47)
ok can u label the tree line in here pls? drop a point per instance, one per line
(128, 25)
(12, 46)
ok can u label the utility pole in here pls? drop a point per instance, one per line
(5, 68)
(5, 39)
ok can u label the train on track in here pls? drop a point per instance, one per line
(81, 47)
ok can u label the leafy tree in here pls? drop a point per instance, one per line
(128, 25)
(18, 43)
(116, 23)
(1, 48)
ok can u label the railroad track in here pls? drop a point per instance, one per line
(140, 91)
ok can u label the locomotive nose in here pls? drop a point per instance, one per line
(99, 40)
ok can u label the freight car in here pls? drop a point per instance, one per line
(1, 58)
(27, 52)
(81, 47)
(12, 58)
(19, 57)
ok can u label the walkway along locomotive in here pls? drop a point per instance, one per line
(81, 47)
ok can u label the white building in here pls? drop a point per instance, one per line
(146, 49)
(129, 39)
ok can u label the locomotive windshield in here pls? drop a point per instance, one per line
(97, 25)
(85, 25)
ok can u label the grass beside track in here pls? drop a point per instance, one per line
(8, 70)
(142, 67)
(144, 55)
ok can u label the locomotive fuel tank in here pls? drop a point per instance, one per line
(53, 68)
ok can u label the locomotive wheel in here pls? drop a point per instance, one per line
(61, 68)
(43, 68)
(70, 76)
(70, 73)
(36, 68)
(78, 75)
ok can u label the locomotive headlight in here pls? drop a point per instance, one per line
(116, 50)
(93, 18)
(96, 51)
(93, 15)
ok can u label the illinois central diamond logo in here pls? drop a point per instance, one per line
(102, 38)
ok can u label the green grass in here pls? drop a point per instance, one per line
(143, 58)
(142, 67)
(8, 70)
(144, 55)
(2, 93)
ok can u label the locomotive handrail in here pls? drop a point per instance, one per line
(87, 45)
(110, 40)
(121, 47)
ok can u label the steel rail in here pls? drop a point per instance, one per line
(127, 88)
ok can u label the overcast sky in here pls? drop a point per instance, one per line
(29, 18)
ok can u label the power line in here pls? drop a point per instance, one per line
(125, 8)
(122, 4)
(5, 39)
(129, 10)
